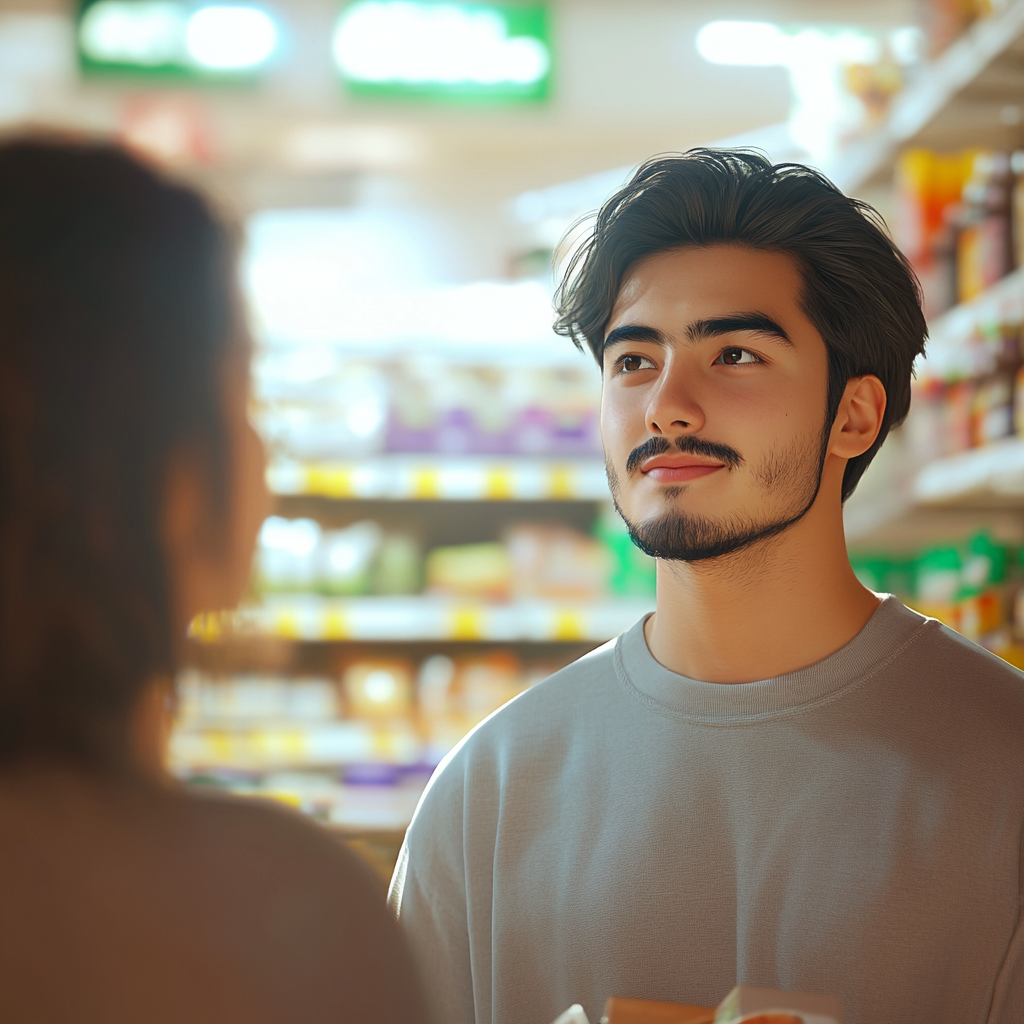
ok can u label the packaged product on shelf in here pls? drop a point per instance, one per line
(456, 693)
(944, 20)
(316, 407)
(434, 685)
(937, 580)
(297, 555)
(1017, 207)
(992, 410)
(345, 557)
(483, 683)
(398, 568)
(984, 250)
(471, 417)
(249, 697)
(556, 562)
(982, 604)
(929, 187)
(1018, 403)
(556, 412)
(378, 688)
(926, 428)
(286, 554)
(959, 429)
(470, 570)
(956, 221)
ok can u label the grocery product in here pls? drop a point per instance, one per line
(556, 562)
(398, 568)
(330, 410)
(967, 586)
(483, 683)
(984, 250)
(286, 554)
(378, 688)
(957, 221)
(298, 555)
(767, 1006)
(470, 570)
(345, 558)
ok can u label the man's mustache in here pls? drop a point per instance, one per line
(688, 445)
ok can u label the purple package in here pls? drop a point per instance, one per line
(531, 434)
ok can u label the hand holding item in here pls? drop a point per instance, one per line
(743, 1005)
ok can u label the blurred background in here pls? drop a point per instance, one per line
(404, 171)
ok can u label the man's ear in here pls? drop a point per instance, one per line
(858, 418)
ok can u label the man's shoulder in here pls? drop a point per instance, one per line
(960, 676)
(939, 646)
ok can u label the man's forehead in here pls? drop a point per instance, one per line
(700, 281)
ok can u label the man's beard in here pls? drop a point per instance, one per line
(687, 537)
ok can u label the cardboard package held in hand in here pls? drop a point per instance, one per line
(745, 1004)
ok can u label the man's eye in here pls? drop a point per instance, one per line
(630, 364)
(736, 357)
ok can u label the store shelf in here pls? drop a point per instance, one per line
(950, 355)
(440, 477)
(313, 618)
(932, 93)
(981, 477)
(277, 746)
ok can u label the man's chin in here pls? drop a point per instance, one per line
(688, 537)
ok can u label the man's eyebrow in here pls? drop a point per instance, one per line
(634, 332)
(756, 323)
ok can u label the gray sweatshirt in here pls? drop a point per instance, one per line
(853, 828)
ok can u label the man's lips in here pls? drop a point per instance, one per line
(678, 468)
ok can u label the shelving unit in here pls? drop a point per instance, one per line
(960, 99)
(437, 477)
(309, 617)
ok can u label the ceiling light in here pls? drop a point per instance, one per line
(230, 38)
(743, 42)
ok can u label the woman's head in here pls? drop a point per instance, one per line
(125, 457)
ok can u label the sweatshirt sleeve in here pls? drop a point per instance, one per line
(428, 895)
(1008, 997)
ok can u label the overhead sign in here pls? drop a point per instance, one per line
(175, 38)
(444, 50)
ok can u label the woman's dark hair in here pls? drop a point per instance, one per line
(859, 292)
(116, 311)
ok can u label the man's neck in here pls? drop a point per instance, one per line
(773, 608)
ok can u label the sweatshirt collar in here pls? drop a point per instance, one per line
(891, 627)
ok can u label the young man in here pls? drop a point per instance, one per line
(780, 778)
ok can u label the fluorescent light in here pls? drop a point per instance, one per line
(230, 38)
(417, 43)
(755, 43)
(146, 32)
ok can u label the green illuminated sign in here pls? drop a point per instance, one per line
(175, 38)
(444, 50)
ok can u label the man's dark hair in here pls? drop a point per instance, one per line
(859, 291)
(116, 313)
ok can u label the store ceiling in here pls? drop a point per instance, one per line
(628, 83)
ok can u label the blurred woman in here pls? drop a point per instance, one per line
(131, 491)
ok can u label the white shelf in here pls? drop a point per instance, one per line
(993, 474)
(935, 88)
(950, 356)
(441, 477)
(310, 617)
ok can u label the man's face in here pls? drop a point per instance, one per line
(713, 404)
